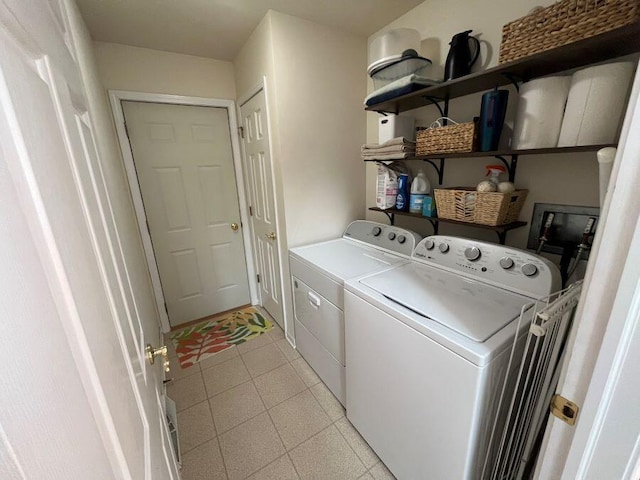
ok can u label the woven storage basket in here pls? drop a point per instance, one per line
(458, 138)
(486, 208)
(564, 22)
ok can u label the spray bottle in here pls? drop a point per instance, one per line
(494, 184)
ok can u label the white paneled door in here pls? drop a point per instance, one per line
(257, 162)
(185, 170)
(71, 264)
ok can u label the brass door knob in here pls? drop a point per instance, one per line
(151, 354)
(270, 236)
(235, 226)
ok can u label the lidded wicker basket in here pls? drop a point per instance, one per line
(563, 23)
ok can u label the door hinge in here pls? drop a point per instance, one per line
(258, 277)
(165, 308)
(126, 130)
(250, 211)
(564, 409)
(241, 132)
(148, 229)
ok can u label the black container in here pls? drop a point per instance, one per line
(459, 58)
(492, 113)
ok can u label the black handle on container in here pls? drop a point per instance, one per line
(477, 52)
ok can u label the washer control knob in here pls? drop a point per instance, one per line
(472, 253)
(506, 262)
(429, 244)
(402, 239)
(376, 231)
(391, 235)
(443, 247)
(529, 269)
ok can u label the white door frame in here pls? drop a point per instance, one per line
(116, 98)
(606, 443)
(599, 341)
(280, 230)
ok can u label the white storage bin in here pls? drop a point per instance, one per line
(399, 69)
(393, 126)
(390, 45)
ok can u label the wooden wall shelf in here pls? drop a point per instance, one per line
(606, 46)
(501, 155)
(510, 153)
(501, 230)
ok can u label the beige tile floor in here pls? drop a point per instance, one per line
(259, 411)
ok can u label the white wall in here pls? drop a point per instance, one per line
(314, 76)
(565, 179)
(144, 70)
(319, 92)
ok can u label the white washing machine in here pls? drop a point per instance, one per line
(318, 274)
(428, 345)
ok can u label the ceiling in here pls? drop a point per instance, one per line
(219, 28)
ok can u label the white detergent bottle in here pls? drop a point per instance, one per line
(420, 188)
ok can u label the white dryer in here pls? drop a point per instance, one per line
(318, 274)
(428, 345)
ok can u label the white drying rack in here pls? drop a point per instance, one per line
(517, 428)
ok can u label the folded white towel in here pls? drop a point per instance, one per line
(389, 143)
(392, 149)
(387, 156)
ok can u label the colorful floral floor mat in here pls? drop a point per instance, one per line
(205, 339)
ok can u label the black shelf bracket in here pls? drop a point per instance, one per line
(390, 216)
(434, 223)
(436, 101)
(439, 169)
(511, 166)
(515, 80)
(502, 237)
(392, 220)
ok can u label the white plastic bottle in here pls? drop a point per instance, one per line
(420, 188)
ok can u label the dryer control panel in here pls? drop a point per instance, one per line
(507, 267)
(394, 239)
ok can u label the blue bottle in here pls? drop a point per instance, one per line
(402, 199)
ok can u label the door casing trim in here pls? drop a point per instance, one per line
(116, 97)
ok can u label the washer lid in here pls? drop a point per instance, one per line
(468, 307)
(343, 258)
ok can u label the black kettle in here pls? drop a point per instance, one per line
(460, 59)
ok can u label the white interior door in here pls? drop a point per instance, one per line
(52, 163)
(184, 164)
(257, 161)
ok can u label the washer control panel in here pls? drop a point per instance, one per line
(507, 267)
(394, 239)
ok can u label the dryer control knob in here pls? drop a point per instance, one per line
(391, 235)
(429, 244)
(472, 253)
(376, 231)
(529, 269)
(506, 263)
(402, 239)
(443, 247)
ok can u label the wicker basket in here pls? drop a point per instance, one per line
(486, 208)
(458, 138)
(564, 22)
